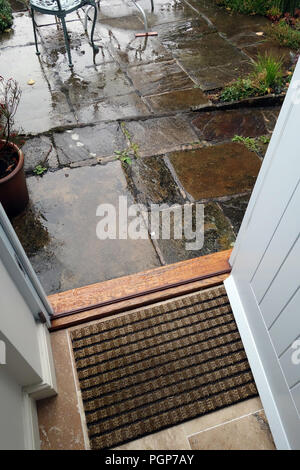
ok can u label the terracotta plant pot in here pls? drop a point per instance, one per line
(13, 189)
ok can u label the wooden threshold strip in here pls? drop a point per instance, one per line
(106, 298)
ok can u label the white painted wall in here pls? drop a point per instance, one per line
(11, 412)
(19, 331)
(28, 373)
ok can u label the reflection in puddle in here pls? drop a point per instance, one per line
(32, 233)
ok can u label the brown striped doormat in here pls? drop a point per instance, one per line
(159, 366)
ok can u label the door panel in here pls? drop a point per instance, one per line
(296, 397)
(263, 287)
(283, 331)
(276, 191)
(284, 285)
(291, 372)
(273, 258)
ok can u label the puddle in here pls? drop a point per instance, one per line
(220, 126)
(64, 248)
(31, 229)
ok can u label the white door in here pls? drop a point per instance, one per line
(26, 366)
(264, 284)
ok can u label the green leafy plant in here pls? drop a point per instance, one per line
(286, 6)
(238, 90)
(6, 18)
(274, 13)
(123, 156)
(249, 142)
(39, 170)
(125, 131)
(252, 143)
(133, 146)
(265, 139)
(285, 35)
(135, 149)
(259, 7)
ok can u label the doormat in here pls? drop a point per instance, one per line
(160, 366)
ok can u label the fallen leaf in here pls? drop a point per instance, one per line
(31, 82)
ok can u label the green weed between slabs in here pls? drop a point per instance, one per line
(250, 142)
(126, 155)
(39, 170)
(123, 156)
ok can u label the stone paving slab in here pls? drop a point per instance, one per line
(132, 22)
(20, 34)
(169, 11)
(176, 34)
(272, 48)
(42, 105)
(151, 182)
(39, 151)
(178, 100)
(156, 78)
(55, 59)
(216, 171)
(271, 116)
(218, 126)
(112, 108)
(234, 209)
(91, 85)
(209, 59)
(115, 9)
(51, 34)
(210, 78)
(160, 135)
(68, 253)
(138, 51)
(218, 236)
(88, 142)
(208, 51)
(239, 29)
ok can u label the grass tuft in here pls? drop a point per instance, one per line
(267, 77)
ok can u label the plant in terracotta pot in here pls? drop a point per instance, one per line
(13, 189)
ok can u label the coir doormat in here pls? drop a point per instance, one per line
(159, 366)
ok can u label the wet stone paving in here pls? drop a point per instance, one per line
(138, 124)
